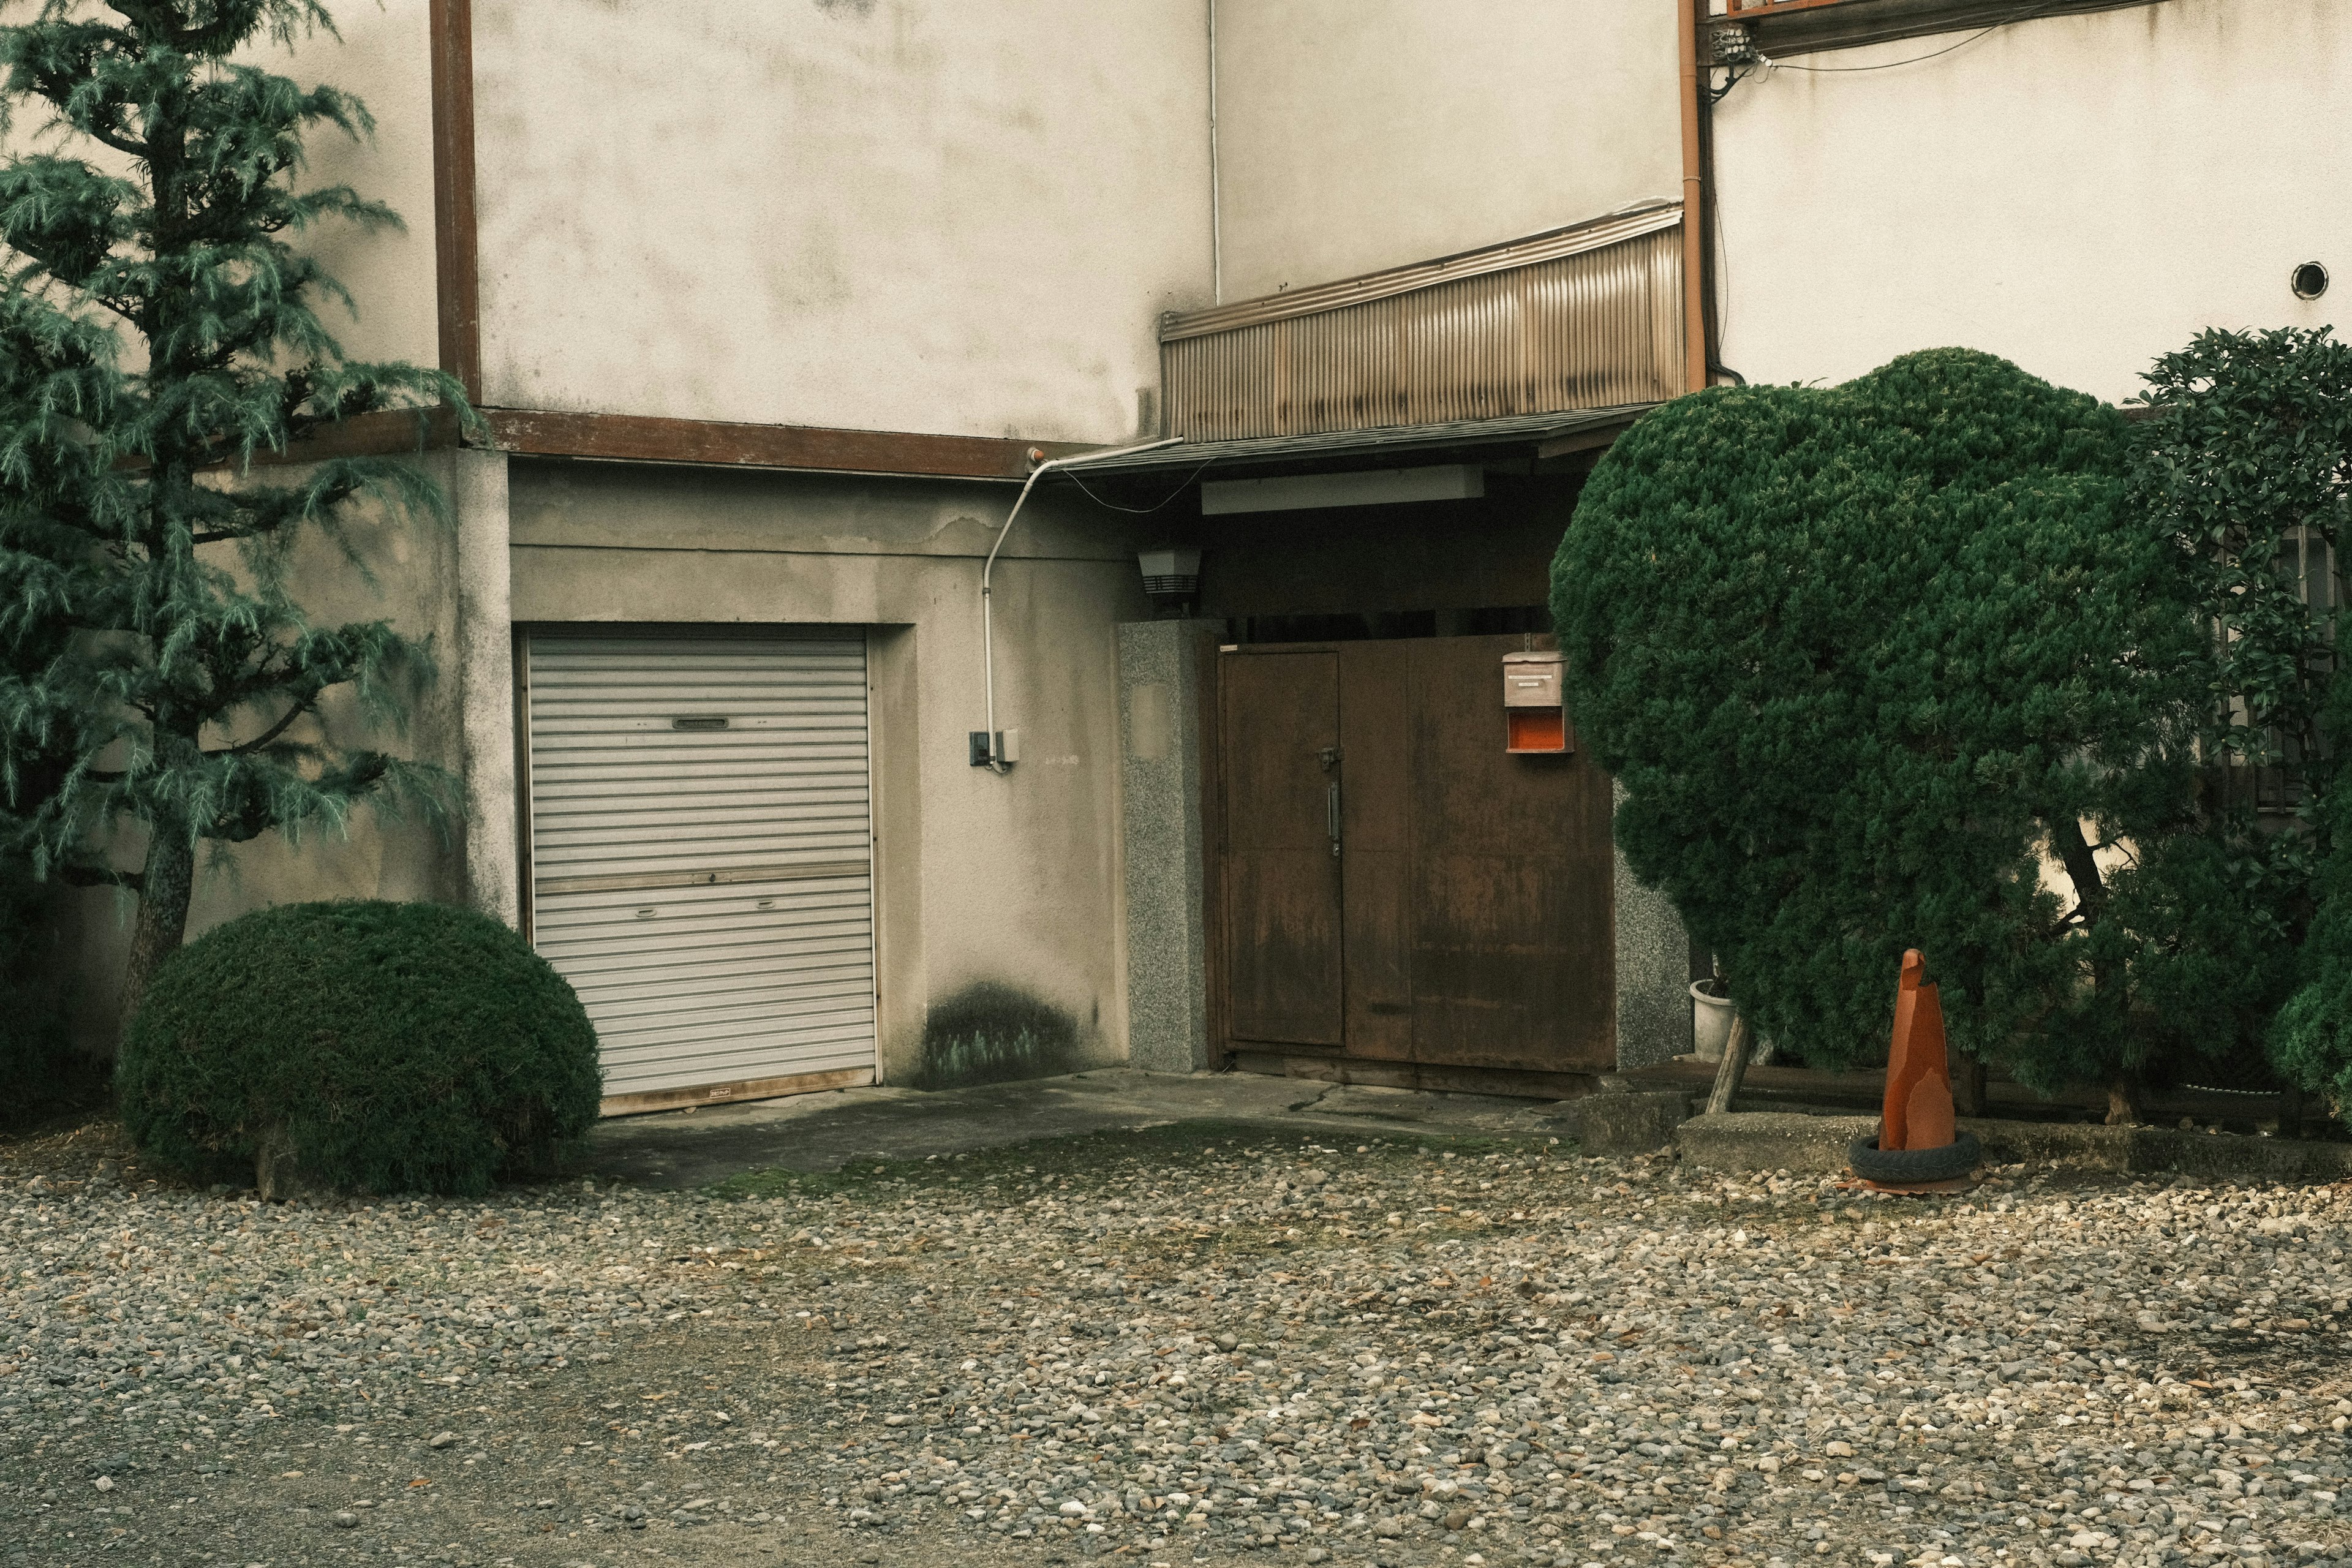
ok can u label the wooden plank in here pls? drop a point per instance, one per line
(731, 1093)
(1376, 850)
(1281, 879)
(631, 438)
(647, 440)
(388, 433)
(1208, 667)
(1512, 884)
(456, 247)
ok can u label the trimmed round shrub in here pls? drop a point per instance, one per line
(1894, 663)
(359, 1046)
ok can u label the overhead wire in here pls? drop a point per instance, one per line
(2027, 14)
(1140, 510)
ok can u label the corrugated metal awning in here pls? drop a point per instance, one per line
(1577, 429)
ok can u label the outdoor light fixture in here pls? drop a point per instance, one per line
(2309, 281)
(1172, 577)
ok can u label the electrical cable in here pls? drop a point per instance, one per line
(2026, 16)
(1140, 510)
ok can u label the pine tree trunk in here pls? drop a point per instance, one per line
(164, 892)
(2121, 1111)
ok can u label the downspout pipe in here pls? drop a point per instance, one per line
(1694, 84)
(988, 573)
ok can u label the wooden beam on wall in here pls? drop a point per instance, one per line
(457, 250)
(633, 438)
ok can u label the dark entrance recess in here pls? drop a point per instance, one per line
(1395, 890)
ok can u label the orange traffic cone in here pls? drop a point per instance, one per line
(1918, 1148)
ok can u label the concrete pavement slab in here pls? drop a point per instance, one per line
(820, 1132)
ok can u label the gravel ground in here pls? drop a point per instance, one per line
(1204, 1344)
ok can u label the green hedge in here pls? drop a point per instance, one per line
(1865, 657)
(361, 1047)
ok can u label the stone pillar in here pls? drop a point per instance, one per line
(1653, 1005)
(485, 683)
(1159, 824)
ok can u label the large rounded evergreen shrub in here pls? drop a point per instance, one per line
(361, 1047)
(1896, 664)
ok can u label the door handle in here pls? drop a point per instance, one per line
(1331, 817)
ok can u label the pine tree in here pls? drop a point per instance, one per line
(161, 331)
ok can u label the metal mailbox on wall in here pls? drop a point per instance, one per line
(1535, 712)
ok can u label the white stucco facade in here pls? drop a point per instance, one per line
(1360, 134)
(892, 214)
(2076, 193)
(384, 57)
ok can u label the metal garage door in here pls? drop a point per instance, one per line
(702, 856)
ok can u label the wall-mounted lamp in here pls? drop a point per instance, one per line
(1172, 577)
(2309, 281)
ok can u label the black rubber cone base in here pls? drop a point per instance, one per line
(1945, 1170)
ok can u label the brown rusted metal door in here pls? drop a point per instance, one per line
(1513, 961)
(1280, 742)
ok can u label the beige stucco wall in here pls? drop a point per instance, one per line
(2076, 193)
(1358, 134)
(1010, 883)
(900, 215)
(384, 59)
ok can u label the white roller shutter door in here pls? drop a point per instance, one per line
(702, 854)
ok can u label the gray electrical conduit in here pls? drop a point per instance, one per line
(988, 571)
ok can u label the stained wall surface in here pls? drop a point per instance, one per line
(384, 59)
(1000, 911)
(896, 214)
(2076, 193)
(1359, 134)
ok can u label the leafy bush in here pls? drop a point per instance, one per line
(44, 1075)
(2246, 460)
(1868, 660)
(358, 1046)
(2311, 1041)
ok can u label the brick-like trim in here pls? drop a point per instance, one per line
(456, 247)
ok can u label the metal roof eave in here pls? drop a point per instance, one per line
(1383, 447)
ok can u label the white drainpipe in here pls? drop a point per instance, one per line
(987, 573)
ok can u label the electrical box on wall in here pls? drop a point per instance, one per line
(1003, 753)
(1535, 710)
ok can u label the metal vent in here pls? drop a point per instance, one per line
(1587, 318)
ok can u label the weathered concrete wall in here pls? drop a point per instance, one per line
(417, 568)
(384, 59)
(2076, 193)
(903, 214)
(1358, 134)
(999, 907)
(1159, 815)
